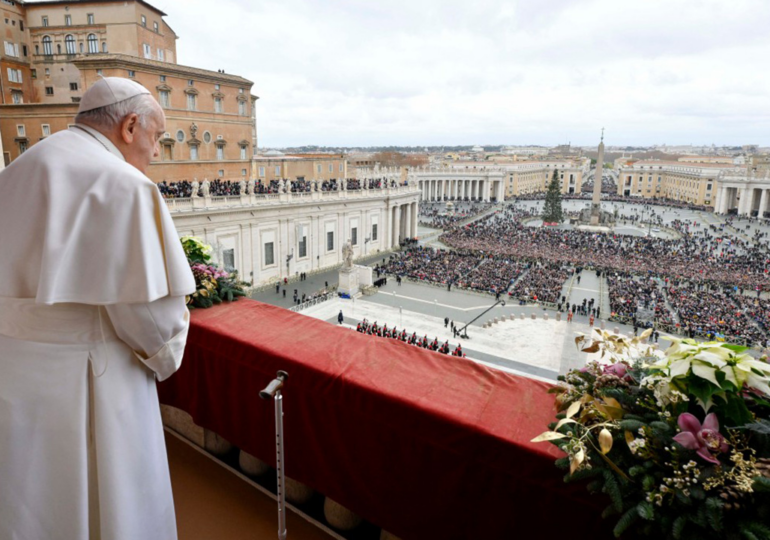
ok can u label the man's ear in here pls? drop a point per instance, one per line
(128, 128)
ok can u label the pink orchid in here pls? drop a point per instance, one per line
(705, 439)
(618, 369)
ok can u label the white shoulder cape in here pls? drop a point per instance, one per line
(78, 224)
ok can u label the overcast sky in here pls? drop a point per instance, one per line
(445, 72)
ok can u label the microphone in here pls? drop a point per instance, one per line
(275, 385)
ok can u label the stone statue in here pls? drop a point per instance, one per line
(347, 255)
(195, 187)
(242, 185)
(206, 188)
(193, 130)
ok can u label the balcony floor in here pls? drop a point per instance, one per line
(213, 503)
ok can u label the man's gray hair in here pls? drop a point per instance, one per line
(109, 116)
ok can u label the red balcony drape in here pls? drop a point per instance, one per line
(422, 444)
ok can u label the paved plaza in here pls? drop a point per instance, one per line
(537, 348)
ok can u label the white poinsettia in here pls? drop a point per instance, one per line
(707, 359)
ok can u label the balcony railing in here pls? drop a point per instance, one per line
(420, 444)
(191, 204)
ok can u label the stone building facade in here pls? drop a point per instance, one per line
(210, 115)
(277, 166)
(272, 236)
(695, 183)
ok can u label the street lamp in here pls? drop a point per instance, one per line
(366, 241)
(289, 257)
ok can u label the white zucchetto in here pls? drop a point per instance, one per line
(109, 91)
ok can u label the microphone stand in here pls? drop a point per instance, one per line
(273, 390)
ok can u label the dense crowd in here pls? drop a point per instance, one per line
(543, 282)
(435, 214)
(629, 295)
(373, 329)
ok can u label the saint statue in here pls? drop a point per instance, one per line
(195, 187)
(206, 188)
(347, 255)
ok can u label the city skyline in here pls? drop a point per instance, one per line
(450, 73)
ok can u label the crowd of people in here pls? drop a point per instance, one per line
(435, 215)
(373, 329)
(543, 282)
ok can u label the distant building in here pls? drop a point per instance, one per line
(677, 180)
(55, 50)
(275, 165)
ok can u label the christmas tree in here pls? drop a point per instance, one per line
(552, 208)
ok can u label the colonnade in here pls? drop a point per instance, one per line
(403, 223)
(747, 200)
(454, 189)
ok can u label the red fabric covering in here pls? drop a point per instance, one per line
(423, 444)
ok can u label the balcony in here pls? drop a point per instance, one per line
(195, 204)
(414, 443)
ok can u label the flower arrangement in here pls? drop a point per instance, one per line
(678, 439)
(212, 284)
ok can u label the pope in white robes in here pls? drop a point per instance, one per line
(93, 282)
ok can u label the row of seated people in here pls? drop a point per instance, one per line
(373, 329)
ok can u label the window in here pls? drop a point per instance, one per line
(17, 97)
(104, 46)
(278, 170)
(155, 26)
(93, 44)
(206, 137)
(354, 236)
(49, 90)
(68, 20)
(190, 82)
(161, 55)
(228, 259)
(21, 131)
(374, 231)
(80, 45)
(165, 99)
(180, 135)
(194, 152)
(69, 44)
(73, 87)
(318, 169)
(221, 173)
(269, 255)
(240, 90)
(90, 18)
(342, 167)
(243, 172)
(261, 172)
(302, 244)
(220, 152)
(14, 75)
(329, 240)
(243, 152)
(217, 105)
(144, 21)
(217, 86)
(47, 46)
(22, 147)
(131, 73)
(21, 25)
(46, 128)
(48, 72)
(45, 20)
(162, 78)
(147, 50)
(331, 168)
(191, 102)
(242, 108)
(24, 50)
(11, 49)
(98, 72)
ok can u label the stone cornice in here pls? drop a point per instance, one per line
(125, 61)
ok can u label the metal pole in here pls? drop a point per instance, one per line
(280, 492)
(274, 390)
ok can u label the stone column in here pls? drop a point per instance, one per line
(762, 203)
(397, 229)
(408, 220)
(414, 220)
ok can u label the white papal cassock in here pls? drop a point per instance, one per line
(92, 310)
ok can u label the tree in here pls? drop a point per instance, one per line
(552, 208)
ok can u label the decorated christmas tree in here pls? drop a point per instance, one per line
(552, 208)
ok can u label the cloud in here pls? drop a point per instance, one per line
(344, 72)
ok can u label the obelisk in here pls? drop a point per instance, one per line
(596, 205)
